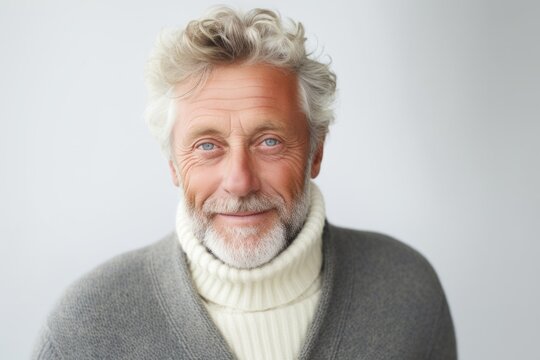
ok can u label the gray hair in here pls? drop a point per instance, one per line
(226, 36)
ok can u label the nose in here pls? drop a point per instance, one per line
(240, 177)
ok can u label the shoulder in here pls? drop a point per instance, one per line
(390, 293)
(381, 261)
(110, 305)
(122, 274)
(377, 249)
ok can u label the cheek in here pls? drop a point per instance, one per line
(198, 181)
(285, 176)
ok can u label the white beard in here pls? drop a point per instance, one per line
(244, 247)
(238, 252)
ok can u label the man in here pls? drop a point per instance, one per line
(252, 271)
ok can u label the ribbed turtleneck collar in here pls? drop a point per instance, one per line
(276, 283)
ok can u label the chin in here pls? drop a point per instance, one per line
(245, 247)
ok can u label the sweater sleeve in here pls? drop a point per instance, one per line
(44, 348)
(444, 340)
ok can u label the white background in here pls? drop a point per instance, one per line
(436, 143)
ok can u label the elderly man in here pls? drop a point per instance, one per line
(252, 271)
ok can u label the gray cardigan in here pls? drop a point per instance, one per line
(380, 300)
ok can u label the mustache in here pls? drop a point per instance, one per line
(251, 203)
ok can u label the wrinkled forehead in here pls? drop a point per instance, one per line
(248, 97)
(234, 83)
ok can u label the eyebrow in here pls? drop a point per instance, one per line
(211, 131)
(201, 133)
(268, 126)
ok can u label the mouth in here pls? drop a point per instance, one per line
(244, 213)
(243, 217)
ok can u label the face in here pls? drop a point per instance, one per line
(240, 146)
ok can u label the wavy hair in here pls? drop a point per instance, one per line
(226, 36)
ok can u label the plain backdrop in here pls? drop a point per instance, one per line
(436, 142)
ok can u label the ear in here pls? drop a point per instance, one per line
(174, 175)
(317, 159)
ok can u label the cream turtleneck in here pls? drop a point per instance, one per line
(263, 313)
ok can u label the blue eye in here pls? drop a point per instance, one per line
(271, 142)
(207, 146)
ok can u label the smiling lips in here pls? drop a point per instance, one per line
(244, 218)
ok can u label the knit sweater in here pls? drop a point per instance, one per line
(263, 313)
(379, 300)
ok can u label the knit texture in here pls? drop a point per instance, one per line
(380, 299)
(263, 313)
